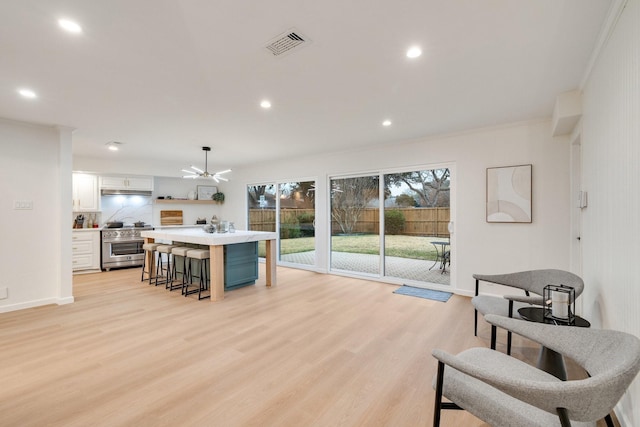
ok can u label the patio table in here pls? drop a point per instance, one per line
(440, 254)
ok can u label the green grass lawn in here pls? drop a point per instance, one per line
(399, 246)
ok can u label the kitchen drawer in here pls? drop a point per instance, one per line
(82, 261)
(83, 235)
(82, 247)
(85, 250)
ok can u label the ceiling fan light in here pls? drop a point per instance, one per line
(196, 169)
(224, 171)
(221, 178)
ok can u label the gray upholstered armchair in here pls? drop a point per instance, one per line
(504, 391)
(531, 282)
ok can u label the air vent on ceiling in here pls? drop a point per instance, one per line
(287, 42)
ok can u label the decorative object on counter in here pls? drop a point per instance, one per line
(90, 222)
(173, 217)
(191, 195)
(79, 221)
(218, 197)
(215, 221)
(201, 220)
(232, 228)
(209, 228)
(199, 173)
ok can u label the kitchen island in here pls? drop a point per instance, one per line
(216, 243)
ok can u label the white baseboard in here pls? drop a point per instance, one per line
(65, 300)
(28, 304)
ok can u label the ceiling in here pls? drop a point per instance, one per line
(166, 77)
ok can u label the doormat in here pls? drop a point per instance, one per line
(423, 293)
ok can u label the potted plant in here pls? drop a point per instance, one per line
(218, 197)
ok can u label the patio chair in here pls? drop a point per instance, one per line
(531, 282)
(504, 391)
(446, 259)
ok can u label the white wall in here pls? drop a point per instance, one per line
(478, 247)
(180, 188)
(32, 256)
(611, 160)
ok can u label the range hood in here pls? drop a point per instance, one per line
(111, 192)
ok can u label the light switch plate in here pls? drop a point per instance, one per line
(23, 204)
(4, 293)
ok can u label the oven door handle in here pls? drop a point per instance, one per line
(123, 241)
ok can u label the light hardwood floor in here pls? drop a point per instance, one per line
(316, 350)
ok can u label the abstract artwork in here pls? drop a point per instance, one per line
(509, 194)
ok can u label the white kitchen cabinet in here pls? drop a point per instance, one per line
(85, 250)
(85, 192)
(144, 183)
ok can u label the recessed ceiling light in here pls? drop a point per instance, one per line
(414, 52)
(386, 123)
(70, 26)
(113, 145)
(27, 93)
(265, 104)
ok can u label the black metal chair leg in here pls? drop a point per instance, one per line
(494, 331)
(564, 417)
(509, 332)
(203, 279)
(187, 280)
(609, 421)
(475, 320)
(475, 323)
(438, 399)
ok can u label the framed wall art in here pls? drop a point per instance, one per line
(206, 191)
(509, 191)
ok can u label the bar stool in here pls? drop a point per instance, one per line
(179, 260)
(148, 247)
(163, 249)
(203, 256)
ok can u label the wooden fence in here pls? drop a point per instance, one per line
(418, 221)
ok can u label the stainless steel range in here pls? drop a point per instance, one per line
(122, 247)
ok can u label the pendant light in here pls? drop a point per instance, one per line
(199, 173)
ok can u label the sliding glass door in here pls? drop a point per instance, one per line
(297, 222)
(287, 208)
(391, 224)
(417, 245)
(261, 201)
(355, 218)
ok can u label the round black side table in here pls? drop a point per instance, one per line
(550, 361)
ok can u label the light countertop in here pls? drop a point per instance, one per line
(198, 236)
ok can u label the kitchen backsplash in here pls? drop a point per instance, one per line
(128, 209)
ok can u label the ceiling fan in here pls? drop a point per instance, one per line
(199, 173)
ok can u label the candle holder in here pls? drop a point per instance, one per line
(559, 304)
